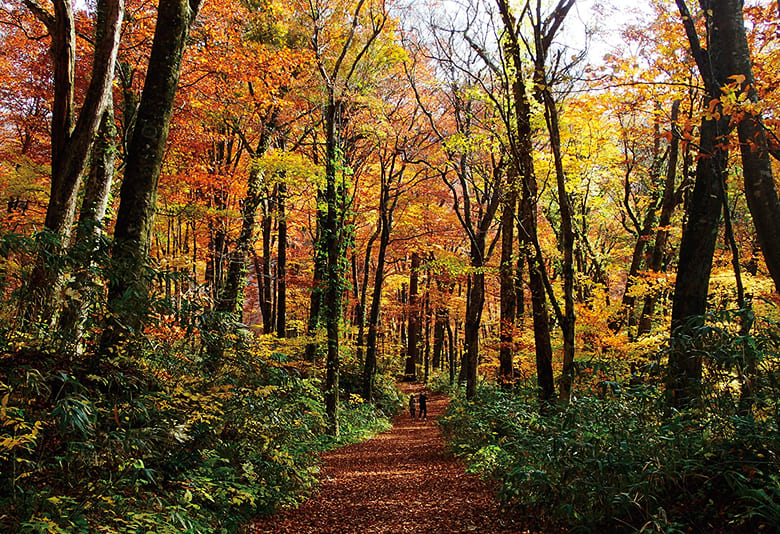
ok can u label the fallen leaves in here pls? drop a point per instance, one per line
(400, 481)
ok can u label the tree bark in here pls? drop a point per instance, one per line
(388, 200)
(567, 244)
(128, 291)
(266, 304)
(413, 348)
(318, 283)
(91, 226)
(521, 148)
(507, 285)
(474, 306)
(760, 190)
(668, 202)
(700, 233)
(71, 138)
(333, 233)
(361, 293)
(281, 264)
(544, 32)
(369, 368)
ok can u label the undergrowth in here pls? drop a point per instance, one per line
(130, 446)
(618, 459)
(193, 426)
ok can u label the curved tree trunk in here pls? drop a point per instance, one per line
(71, 138)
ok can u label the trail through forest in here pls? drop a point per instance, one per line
(400, 481)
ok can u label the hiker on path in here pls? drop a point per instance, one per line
(411, 405)
(423, 406)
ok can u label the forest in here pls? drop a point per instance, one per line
(230, 229)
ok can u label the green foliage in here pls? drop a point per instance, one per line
(440, 383)
(385, 396)
(134, 444)
(621, 461)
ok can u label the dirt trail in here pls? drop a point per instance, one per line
(400, 481)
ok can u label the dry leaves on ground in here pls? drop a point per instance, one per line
(400, 481)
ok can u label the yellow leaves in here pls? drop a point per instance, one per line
(266, 391)
(18, 436)
(735, 99)
(4, 405)
(287, 167)
(202, 406)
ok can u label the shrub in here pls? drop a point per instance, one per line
(130, 446)
(620, 460)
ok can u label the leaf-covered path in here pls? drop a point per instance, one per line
(401, 481)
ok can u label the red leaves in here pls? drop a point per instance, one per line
(400, 481)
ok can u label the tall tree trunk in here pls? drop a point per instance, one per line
(333, 274)
(91, 226)
(427, 330)
(474, 307)
(442, 318)
(218, 244)
(541, 319)
(71, 143)
(568, 318)
(697, 248)
(452, 357)
(522, 158)
(520, 283)
(627, 314)
(361, 292)
(760, 190)
(230, 297)
(413, 348)
(266, 304)
(644, 231)
(387, 204)
(668, 202)
(281, 264)
(128, 290)
(230, 300)
(71, 138)
(438, 339)
(318, 283)
(508, 285)
(701, 230)
(369, 369)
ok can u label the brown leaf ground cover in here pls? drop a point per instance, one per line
(401, 481)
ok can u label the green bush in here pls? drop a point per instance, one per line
(622, 461)
(620, 464)
(195, 426)
(128, 447)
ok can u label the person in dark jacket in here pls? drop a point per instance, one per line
(411, 405)
(423, 406)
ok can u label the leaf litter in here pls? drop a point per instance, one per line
(401, 481)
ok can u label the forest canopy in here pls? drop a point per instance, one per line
(228, 227)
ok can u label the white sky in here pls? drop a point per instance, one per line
(608, 17)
